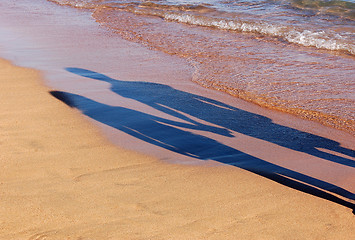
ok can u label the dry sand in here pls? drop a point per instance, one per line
(61, 180)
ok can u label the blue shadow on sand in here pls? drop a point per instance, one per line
(168, 134)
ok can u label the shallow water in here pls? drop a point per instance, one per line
(316, 23)
(295, 56)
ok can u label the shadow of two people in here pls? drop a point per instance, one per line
(167, 133)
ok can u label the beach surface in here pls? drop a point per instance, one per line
(107, 139)
(62, 180)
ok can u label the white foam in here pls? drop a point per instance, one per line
(319, 40)
(305, 37)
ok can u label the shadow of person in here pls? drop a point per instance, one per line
(162, 133)
(183, 104)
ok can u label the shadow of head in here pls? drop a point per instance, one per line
(63, 97)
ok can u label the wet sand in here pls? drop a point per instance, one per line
(64, 179)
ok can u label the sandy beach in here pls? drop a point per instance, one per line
(83, 159)
(62, 180)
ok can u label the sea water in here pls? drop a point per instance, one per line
(296, 56)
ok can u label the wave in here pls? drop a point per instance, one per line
(207, 15)
(308, 38)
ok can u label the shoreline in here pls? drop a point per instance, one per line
(63, 180)
(67, 165)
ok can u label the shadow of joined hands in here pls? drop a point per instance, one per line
(175, 102)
